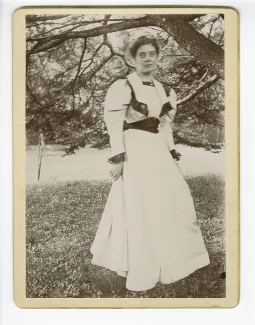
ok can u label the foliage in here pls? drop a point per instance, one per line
(67, 77)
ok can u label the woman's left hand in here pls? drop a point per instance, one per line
(116, 171)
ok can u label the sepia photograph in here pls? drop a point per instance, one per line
(125, 149)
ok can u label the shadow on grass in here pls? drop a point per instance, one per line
(61, 224)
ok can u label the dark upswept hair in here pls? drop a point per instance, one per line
(143, 40)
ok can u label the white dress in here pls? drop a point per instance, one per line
(148, 231)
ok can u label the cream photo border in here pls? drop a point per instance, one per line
(231, 22)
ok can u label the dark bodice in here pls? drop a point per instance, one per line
(142, 107)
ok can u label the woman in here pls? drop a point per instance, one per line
(148, 231)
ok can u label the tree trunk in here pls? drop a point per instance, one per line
(198, 45)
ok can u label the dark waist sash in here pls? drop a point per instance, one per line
(149, 124)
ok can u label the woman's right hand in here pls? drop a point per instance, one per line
(116, 171)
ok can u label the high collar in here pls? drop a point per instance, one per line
(140, 92)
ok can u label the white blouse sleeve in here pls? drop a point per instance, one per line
(117, 99)
(167, 125)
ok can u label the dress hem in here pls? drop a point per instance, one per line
(202, 262)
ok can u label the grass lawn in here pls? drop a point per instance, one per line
(61, 223)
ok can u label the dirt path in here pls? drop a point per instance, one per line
(91, 164)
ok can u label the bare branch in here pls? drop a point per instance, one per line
(81, 59)
(34, 18)
(186, 17)
(203, 77)
(93, 72)
(213, 22)
(44, 46)
(109, 45)
(92, 60)
(78, 70)
(220, 38)
(91, 95)
(200, 24)
(34, 97)
(43, 107)
(149, 20)
(61, 74)
(77, 25)
(99, 30)
(39, 24)
(199, 89)
(104, 24)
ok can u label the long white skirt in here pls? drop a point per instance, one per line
(148, 231)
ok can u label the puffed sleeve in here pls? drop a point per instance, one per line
(117, 99)
(167, 121)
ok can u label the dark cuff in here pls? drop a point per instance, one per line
(117, 159)
(176, 155)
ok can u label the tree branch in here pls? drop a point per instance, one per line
(78, 70)
(220, 38)
(201, 47)
(109, 45)
(92, 60)
(81, 59)
(149, 20)
(93, 72)
(44, 46)
(99, 30)
(77, 25)
(34, 18)
(199, 89)
(213, 22)
(177, 26)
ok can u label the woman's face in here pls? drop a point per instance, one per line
(146, 59)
